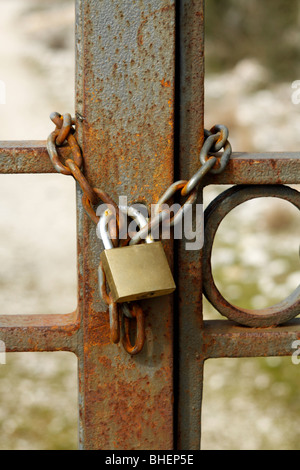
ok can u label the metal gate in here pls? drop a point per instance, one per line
(139, 123)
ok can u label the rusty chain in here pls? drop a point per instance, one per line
(211, 161)
(64, 131)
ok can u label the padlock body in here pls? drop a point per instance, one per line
(137, 272)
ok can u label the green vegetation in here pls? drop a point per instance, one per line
(267, 30)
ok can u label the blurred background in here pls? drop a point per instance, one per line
(252, 59)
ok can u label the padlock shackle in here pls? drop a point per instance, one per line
(138, 217)
(103, 224)
(103, 230)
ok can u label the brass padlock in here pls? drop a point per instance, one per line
(135, 272)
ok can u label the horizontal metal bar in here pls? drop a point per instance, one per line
(243, 168)
(223, 338)
(25, 333)
(27, 157)
(260, 168)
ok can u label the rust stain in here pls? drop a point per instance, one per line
(165, 83)
(157, 13)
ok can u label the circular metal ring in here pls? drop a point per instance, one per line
(214, 214)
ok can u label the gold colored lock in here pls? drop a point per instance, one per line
(135, 272)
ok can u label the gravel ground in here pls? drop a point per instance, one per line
(248, 403)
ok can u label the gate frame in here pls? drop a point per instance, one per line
(139, 122)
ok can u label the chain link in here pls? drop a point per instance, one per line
(214, 140)
(211, 161)
(138, 314)
(63, 132)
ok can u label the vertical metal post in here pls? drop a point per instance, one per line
(125, 117)
(126, 125)
(190, 93)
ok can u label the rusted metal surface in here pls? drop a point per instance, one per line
(125, 91)
(200, 340)
(128, 107)
(190, 122)
(125, 101)
(224, 338)
(40, 332)
(260, 168)
(243, 168)
(26, 157)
